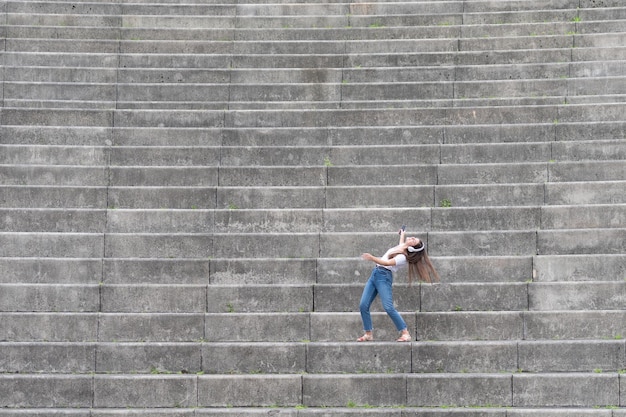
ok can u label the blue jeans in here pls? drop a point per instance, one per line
(379, 283)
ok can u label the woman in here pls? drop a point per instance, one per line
(410, 251)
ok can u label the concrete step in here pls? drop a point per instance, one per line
(119, 358)
(606, 98)
(169, 391)
(560, 268)
(55, 135)
(316, 327)
(53, 196)
(282, 6)
(364, 28)
(421, 357)
(218, 93)
(533, 151)
(151, 245)
(163, 156)
(47, 270)
(49, 297)
(61, 104)
(53, 175)
(585, 192)
(327, 228)
(158, 197)
(74, 271)
(553, 172)
(325, 271)
(312, 245)
(559, 242)
(94, 197)
(162, 136)
(579, 217)
(63, 45)
(121, 33)
(98, 137)
(486, 269)
(112, 327)
(571, 173)
(522, 356)
(439, 103)
(320, 197)
(355, 28)
(337, 15)
(535, 325)
(192, 176)
(452, 73)
(202, 76)
(344, 14)
(344, 411)
(358, 21)
(296, 327)
(512, 15)
(453, 269)
(326, 327)
(324, 105)
(53, 155)
(576, 296)
(543, 268)
(548, 242)
(342, 220)
(443, 297)
(312, 136)
(160, 221)
(598, 53)
(96, 62)
(58, 245)
(57, 117)
(335, 155)
(275, 271)
(280, 47)
(426, 116)
(290, 47)
(45, 357)
(173, 105)
(597, 58)
(154, 298)
(313, 357)
(494, 173)
(52, 74)
(62, 7)
(224, 299)
(49, 327)
(156, 271)
(528, 56)
(470, 195)
(550, 217)
(53, 220)
(173, 119)
(96, 18)
(397, 135)
(585, 150)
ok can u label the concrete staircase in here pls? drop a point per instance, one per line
(186, 188)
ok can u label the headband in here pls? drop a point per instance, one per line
(413, 249)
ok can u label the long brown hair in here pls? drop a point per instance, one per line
(420, 266)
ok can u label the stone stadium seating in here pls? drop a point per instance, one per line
(186, 188)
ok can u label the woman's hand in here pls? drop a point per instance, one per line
(367, 257)
(402, 236)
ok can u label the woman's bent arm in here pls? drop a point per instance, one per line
(379, 261)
